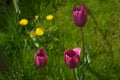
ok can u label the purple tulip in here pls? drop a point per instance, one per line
(72, 57)
(40, 58)
(80, 15)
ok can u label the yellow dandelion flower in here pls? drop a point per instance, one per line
(23, 22)
(32, 34)
(49, 17)
(36, 17)
(39, 31)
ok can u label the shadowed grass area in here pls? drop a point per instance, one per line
(101, 32)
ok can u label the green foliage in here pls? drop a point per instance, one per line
(101, 32)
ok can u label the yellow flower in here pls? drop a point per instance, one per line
(39, 31)
(32, 34)
(23, 22)
(36, 17)
(49, 17)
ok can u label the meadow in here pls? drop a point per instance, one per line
(17, 48)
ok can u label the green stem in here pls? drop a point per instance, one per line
(84, 58)
(39, 74)
(83, 44)
(75, 74)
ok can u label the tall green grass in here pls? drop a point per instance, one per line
(101, 32)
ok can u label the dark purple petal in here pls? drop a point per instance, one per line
(71, 57)
(70, 53)
(40, 58)
(79, 15)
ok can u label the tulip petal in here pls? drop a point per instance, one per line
(79, 15)
(77, 50)
(40, 58)
(72, 57)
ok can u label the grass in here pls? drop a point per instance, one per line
(101, 32)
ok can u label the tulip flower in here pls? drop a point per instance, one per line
(80, 15)
(72, 57)
(40, 58)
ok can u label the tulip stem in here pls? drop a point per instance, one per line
(84, 58)
(83, 44)
(75, 74)
(39, 74)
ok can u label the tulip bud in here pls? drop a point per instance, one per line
(72, 57)
(80, 15)
(40, 58)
